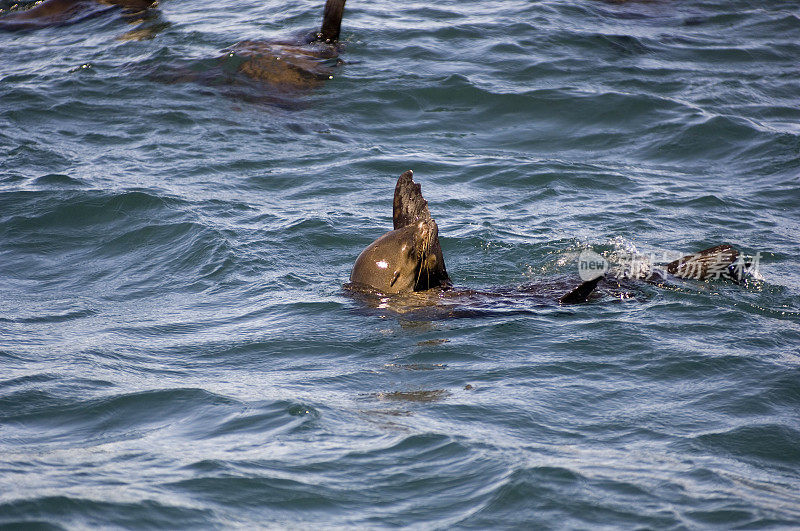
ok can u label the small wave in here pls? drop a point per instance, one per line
(51, 318)
(770, 442)
(48, 210)
(58, 180)
(140, 239)
(540, 490)
(51, 419)
(715, 136)
(280, 494)
(266, 421)
(53, 512)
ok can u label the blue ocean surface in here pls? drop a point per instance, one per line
(177, 349)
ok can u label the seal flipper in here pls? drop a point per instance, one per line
(582, 292)
(409, 205)
(331, 21)
(714, 262)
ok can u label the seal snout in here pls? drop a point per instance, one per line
(425, 233)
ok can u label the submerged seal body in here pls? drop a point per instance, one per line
(268, 71)
(283, 65)
(63, 12)
(292, 65)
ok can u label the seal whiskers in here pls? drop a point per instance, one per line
(422, 256)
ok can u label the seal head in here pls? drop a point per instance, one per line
(401, 260)
(409, 258)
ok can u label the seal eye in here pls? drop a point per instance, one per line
(394, 279)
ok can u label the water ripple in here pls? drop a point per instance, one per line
(176, 348)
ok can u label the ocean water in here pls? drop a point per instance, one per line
(176, 347)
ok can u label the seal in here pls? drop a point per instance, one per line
(62, 12)
(408, 258)
(301, 63)
(273, 72)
